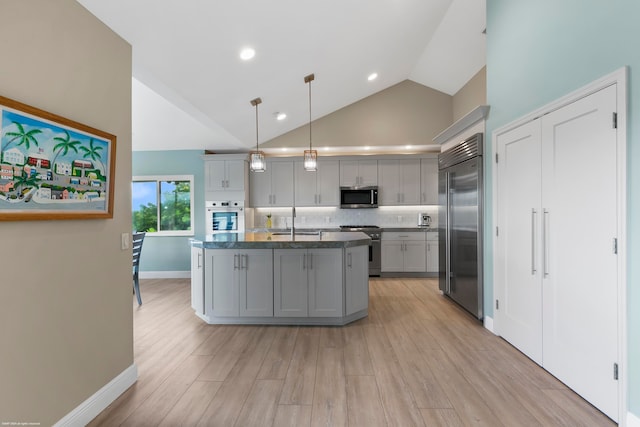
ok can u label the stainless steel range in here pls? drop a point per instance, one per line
(374, 232)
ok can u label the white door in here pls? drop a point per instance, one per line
(392, 255)
(368, 172)
(306, 194)
(215, 175)
(328, 184)
(324, 269)
(234, 173)
(356, 279)
(282, 183)
(260, 187)
(432, 255)
(415, 256)
(580, 334)
(290, 283)
(197, 280)
(222, 267)
(389, 182)
(518, 244)
(410, 181)
(256, 288)
(429, 181)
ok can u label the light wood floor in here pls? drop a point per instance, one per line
(416, 360)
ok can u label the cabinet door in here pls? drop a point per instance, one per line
(290, 283)
(282, 183)
(409, 181)
(256, 288)
(197, 280)
(221, 280)
(215, 175)
(260, 188)
(392, 255)
(432, 256)
(324, 269)
(429, 181)
(306, 194)
(328, 183)
(415, 256)
(368, 172)
(356, 282)
(235, 171)
(389, 183)
(349, 173)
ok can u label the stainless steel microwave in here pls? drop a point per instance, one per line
(358, 197)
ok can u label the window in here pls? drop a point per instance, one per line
(163, 205)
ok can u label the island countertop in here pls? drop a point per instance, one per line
(284, 240)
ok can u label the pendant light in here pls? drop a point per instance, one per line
(256, 158)
(310, 156)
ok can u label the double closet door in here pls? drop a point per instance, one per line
(556, 256)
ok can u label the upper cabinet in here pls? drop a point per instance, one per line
(225, 176)
(429, 181)
(358, 173)
(399, 182)
(320, 188)
(274, 186)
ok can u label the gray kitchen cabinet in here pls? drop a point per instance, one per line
(358, 173)
(399, 182)
(319, 188)
(308, 283)
(273, 187)
(432, 252)
(225, 176)
(429, 181)
(356, 279)
(403, 252)
(240, 281)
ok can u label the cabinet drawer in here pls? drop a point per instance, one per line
(432, 236)
(407, 235)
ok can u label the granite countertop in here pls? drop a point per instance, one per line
(276, 240)
(408, 229)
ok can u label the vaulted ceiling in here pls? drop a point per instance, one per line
(191, 90)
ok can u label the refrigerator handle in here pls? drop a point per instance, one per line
(448, 238)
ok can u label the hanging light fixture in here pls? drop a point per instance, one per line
(256, 158)
(310, 155)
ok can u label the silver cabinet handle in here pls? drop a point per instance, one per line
(319, 196)
(304, 261)
(244, 262)
(199, 257)
(235, 262)
(349, 260)
(545, 243)
(533, 241)
(310, 261)
(274, 200)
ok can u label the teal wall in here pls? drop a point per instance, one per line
(538, 51)
(171, 253)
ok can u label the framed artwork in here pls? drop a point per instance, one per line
(52, 167)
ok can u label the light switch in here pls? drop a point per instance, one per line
(125, 241)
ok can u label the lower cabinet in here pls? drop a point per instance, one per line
(240, 283)
(308, 283)
(404, 252)
(432, 253)
(197, 280)
(356, 273)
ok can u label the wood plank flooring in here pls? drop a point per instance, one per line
(416, 360)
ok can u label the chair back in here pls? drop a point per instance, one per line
(138, 238)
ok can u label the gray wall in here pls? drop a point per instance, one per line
(471, 95)
(65, 286)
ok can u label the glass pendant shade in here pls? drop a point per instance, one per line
(310, 160)
(256, 157)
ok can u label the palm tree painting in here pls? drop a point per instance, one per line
(93, 152)
(23, 136)
(64, 145)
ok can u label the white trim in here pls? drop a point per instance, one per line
(619, 78)
(165, 274)
(488, 324)
(97, 403)
(632, 420)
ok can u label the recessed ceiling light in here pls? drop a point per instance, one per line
(247, 53)
(408, 147)
(284, 148)
(372, 76)
(326, 148)
(367, 148)
(281, 116)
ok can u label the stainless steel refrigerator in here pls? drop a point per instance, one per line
(460, 224)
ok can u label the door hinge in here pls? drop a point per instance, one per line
(496, 157)
(497, 304)
(615, 245)
(615, 371)
(615, 120)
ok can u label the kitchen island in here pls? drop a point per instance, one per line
(276, 278)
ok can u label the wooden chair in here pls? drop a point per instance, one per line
(138, 238)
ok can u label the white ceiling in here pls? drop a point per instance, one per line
(192, 91)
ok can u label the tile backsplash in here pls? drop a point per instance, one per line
(309, 217)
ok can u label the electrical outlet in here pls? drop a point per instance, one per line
(124, 244)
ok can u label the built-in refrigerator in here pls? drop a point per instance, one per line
(460, 224)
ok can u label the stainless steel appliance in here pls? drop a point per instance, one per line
(358, 197)
(424, 220)
(375, 252)
(225, 217)
(460, 224)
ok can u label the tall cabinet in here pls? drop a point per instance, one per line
(556, 257)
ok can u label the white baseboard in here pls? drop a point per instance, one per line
(488, 324)
(632, 420)
(165, 274)
(90, 408)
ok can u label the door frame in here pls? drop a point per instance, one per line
(619, 78)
